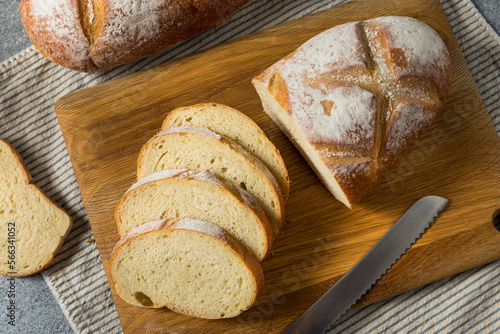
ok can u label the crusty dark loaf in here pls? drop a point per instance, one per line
(356, 97)
(90, 35)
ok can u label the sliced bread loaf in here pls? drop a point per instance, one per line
(176, 194)
(189, 266)
(236, 126)
(32, 226)
(201, 149)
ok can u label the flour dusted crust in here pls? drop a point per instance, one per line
(144, 228)
(89, 35)
(354, 98)
(54, 28)
(38, 225)
(181, 129)
(171, 173)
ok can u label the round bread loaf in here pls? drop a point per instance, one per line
(189, 266)
(176, 194)
(90, 35)
(356, 97)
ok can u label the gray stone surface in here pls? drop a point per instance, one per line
(37, 310)
(13, 38)
(491, 12)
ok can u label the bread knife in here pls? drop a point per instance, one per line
(365, 273)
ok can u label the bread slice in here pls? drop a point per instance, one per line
(189, 266)
(356, 97)
(201, 149)
(176, 194)
(33, 228)
(236, 126)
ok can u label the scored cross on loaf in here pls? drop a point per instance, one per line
(354, 98)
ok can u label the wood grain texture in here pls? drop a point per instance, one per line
(105, 126)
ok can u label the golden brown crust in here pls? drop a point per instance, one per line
(397, 83)
(58, 36)
(398, 60)
(29, 183)
(257, 209)
(355, 176)
(90, 35)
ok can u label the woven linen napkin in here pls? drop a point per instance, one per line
(30, 85)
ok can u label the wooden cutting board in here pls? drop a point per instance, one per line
(105, 126)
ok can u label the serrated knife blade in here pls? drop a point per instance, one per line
(367, 271)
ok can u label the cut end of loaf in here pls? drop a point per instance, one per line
(278, 115)
(356, 97)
